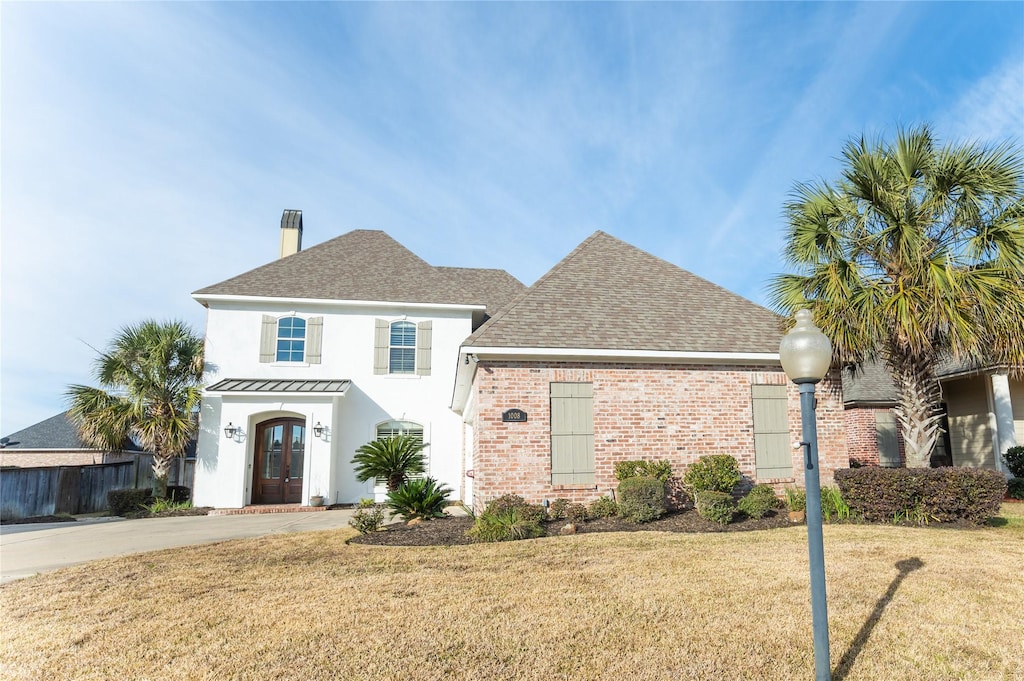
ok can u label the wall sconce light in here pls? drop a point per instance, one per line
(230, 431)
(318, 430)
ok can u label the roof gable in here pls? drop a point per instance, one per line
(365, 265)
(608, 294)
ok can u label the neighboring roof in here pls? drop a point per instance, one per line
(607, 294)
(263, 385)
(56, 432)
(870, 383)
(365, 265)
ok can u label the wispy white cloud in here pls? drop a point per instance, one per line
(993, 108)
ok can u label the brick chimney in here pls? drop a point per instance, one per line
(291, 232)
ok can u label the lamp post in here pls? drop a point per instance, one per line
(806, 355)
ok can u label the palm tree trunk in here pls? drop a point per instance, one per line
(917, 408)
(161, 471)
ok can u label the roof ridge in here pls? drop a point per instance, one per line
(522, 295)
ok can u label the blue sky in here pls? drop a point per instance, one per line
(148, 149)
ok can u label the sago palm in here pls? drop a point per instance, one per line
(150, 384)
(393, 458)
(915, 255)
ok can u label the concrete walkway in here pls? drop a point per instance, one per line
(30, 549)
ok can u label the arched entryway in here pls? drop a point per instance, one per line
(278, 461)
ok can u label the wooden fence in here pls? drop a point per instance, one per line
(27, 492)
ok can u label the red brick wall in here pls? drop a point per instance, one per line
(641, 411)
(862, 437)
(30, 458)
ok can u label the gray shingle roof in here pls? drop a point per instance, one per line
(607, 294)
(497, 288)
(56, 432)
(364, 265)
(870, 383)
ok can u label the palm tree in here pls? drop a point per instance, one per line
(151, 378)
(393, 458)
(915, 255)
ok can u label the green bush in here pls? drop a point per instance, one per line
(556, 511)
(833, 506)
(1014, 458)
(641, 499)
(718, 507)
(368, 517)
(161, 505)
(127, 501)
(419, 498)
(796, 499)
(508, 518)
(577, 513)
(1015, 488)
(662, 470)
(759, 501)
(714, 472)
(605, 507)
(922, 494)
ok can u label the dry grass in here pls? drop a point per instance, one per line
(904, 603)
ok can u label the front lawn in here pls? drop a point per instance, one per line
(905, 603)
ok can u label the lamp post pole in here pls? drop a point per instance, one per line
(806, 355)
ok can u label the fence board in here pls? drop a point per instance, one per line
(27, 492)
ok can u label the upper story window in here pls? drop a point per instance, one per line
(402, 348)
(291, 339)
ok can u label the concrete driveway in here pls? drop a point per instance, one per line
(30, 549)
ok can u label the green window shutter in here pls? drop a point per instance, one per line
(380, 346)
(888, 443)
(423, 333)
(572, 433)
(314, 339)
(773, 456)
(268, 339)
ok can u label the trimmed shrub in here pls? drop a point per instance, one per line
(1015, 488)
(759, 501)
(556, 511)
(508, 518)
(179, 493)
(715, 472)
(127, 501)
(604, 507)
(368, 517)
(1014, 458)
(641, 499)
(662, 470)
(577, 513)
(718, 507)
(833, 506)
(922, 494)
(419, 498)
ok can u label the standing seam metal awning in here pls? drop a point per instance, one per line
(337, 386)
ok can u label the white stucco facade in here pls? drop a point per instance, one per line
(224, 470)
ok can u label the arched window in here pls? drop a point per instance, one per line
(392, 428)
(402, 348)
(291, 339)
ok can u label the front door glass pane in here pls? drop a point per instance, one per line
(273, 438)
(298, 449)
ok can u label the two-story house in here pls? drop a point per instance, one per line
(324, 350)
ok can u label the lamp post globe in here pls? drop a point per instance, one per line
(806, 352)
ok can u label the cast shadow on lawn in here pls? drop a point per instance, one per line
(905, 567)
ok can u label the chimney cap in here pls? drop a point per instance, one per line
(291, 219)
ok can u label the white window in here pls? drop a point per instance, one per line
(291, 339)
(393, 428)
(402, 348)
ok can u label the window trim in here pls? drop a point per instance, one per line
(278, 339)
(406, 348)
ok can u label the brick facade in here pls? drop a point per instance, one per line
(862, 437)
(641, 411)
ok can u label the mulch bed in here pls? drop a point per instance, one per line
(451, 530)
